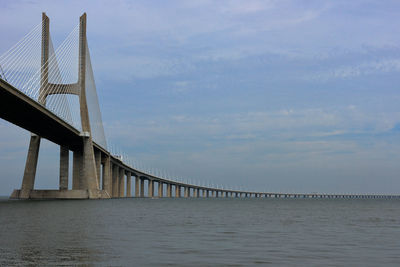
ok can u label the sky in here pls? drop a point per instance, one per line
(289, 96)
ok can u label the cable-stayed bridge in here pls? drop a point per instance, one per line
(52, 93)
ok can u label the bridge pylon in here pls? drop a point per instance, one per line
(86, 166)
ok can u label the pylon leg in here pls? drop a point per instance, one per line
(77, 170)
(64, 166)
(97, 156)
(107, 177)
(89, 180)
(28, 180)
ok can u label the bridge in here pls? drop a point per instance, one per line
(52, 94)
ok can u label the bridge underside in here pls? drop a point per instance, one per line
(25, 112)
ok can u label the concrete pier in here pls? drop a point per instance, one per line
(177, 191)
(107, 179)
(137, 186)
(169, 190)
(28, 180)
(186, 192)
(121, 183)
(64, 166)
(160, 189)
(115, 181)
(151, 188)
(142, 187)
(97, 159)
(128, 184)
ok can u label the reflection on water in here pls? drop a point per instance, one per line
(200, 232)
(45, 232)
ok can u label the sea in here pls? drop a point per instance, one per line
(200, 232)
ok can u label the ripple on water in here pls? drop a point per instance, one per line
(196, 232)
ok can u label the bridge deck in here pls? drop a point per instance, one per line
(21, 110)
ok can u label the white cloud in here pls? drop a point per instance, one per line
(125, 68)
(280, 125)
(241, 7)
(366, 68)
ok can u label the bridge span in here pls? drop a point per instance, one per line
(40, 101)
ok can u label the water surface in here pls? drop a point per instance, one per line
(200, 232)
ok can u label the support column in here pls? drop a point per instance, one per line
(28, 180)
(128, 184)
(115, 179)
(177, 191)
(76, 170)
(121, 183)
(89, 180)
(160, 189)
(97, 159)
(169, 190)
(142, 187)
(64, 166)
(107, 177)
(186, 191)
(204, 192)
(151, 188)
(195, 192)
(137, 186)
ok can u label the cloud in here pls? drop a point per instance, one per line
(363, 69)
(244, 7)
(280, 126)
(126, 68)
